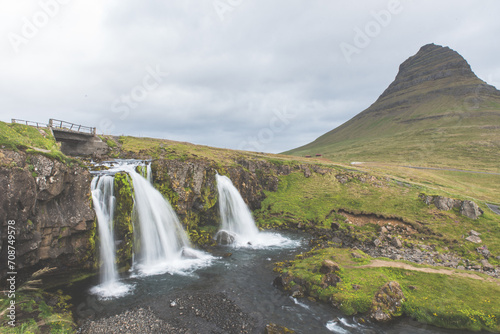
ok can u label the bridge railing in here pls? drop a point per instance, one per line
(30, 123)
(59, 124)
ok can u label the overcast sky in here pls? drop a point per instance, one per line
(251, 74)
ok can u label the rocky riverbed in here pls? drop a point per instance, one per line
(188, 313)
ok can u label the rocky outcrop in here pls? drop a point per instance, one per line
(436, 68)
(50, 204)
(467, 208)
(387, 302)
(191, 188)
(470, 209)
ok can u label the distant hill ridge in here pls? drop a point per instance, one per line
(435, 112)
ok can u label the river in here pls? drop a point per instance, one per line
(246, 278)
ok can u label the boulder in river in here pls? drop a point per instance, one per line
(225, 238)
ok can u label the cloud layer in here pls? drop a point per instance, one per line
(256, 75)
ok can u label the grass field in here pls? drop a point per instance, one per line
(450, 299)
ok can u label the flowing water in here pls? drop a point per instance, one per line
(237, 220)
(245, 277)
(104, 206)
(164, 245)
(160, 241)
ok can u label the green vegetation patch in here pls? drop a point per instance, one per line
(449, 301)
(317, 201)
(33, 140)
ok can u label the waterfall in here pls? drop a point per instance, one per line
(160, 241)
(238, 226)
(164, 243)
(104, 206)
(236, 217)
(162, 236)
(149, 175)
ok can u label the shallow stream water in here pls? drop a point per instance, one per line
(246, 277)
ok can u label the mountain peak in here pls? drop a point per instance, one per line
(435, 111)
(433, 70)
(430, 64)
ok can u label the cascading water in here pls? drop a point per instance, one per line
(104, 206)
(238, 226)
(164, 243)
(235, 215)
(149, 174)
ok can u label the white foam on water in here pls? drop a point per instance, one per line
(333, 326)
(111, 290)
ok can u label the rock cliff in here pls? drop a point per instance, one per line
(50, 204)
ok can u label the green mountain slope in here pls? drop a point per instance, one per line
(437, 112)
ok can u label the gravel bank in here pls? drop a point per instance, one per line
(201, 313)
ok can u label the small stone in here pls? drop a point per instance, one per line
(474, 239)
(356, 287)
(461, 268)
(472, 232)
(384, 230)
(397, 243)
(377, 242)
(487, 266)
(173, 304)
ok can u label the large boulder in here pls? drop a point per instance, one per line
(328, 266)
(470, 209)
(225, 238)
(445, 203)
(387, 302)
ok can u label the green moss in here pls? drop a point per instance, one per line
(111, 143)
(123, 220)
(36, 316)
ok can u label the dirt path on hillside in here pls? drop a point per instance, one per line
(406, 266)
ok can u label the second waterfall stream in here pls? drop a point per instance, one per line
(238, 227)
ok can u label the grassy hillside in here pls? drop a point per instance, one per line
(41, 140)
(457, 139)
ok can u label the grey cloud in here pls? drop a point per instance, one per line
(227, 77)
